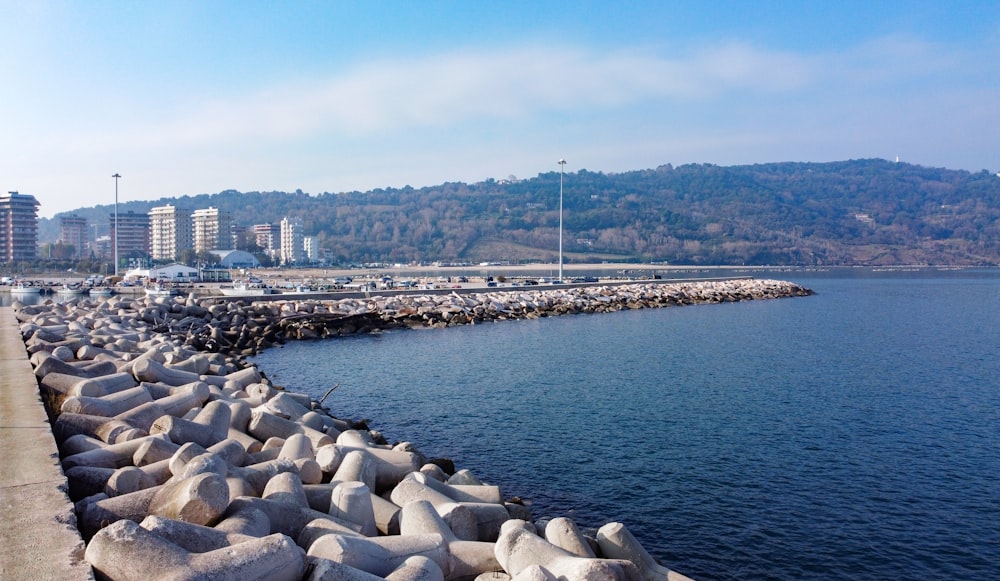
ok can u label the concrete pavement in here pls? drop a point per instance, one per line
(38, 533)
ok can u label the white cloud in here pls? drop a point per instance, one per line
(448, 89)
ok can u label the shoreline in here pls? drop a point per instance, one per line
(202, 342)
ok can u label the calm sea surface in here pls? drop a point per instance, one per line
(855, 433)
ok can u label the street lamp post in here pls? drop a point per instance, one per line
(562, 163)
(116, 176)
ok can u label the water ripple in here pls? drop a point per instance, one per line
(850, 434)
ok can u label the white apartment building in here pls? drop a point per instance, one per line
(310, 246)
(211, 230)
(291, 241)
(170, 232)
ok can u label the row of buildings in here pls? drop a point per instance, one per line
(165, 233)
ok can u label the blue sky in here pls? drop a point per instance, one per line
(186, 97)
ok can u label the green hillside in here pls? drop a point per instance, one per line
(858, 212)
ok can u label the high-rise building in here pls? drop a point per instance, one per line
(267, 236)
(169, 232)
(18, 227)
(291, 241)
(101, 247)
(310, 247)
(73, 231)
(211, 230)
(133, 234)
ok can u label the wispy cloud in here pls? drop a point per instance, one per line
(453, 88)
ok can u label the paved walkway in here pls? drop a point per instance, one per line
(38, 534)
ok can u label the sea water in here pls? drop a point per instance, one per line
(854, 433)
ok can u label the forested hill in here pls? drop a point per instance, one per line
(859, 212)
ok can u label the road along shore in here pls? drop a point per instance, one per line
(183, 460)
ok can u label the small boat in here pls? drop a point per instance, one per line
(24, 287)
(101, 291)
(159, 290)
(72, 289)
(244, 288)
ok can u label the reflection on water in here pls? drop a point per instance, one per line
(7, 298)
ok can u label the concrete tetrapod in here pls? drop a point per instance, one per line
(518, 548)
(264, 425)
(386, 512)
(469, 521)
(391, 465)
(357, 466)
(124, 551)
(209, 427)
(283, 517)
(112, 456)
(563, 533)
(103, 385)
(531, 573)
(380, 555)
(200, 499)
(416, 568)
(617, 542)
(468, 558)
(352, 501)
(109, 405)
(326, 570)
(484, 501)
(194, 538)
(285, 487)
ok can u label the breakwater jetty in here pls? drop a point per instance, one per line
(183, 461)
(257, 325)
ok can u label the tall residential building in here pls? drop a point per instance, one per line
(267, 236)
(18, 227)
(101, 247)
(169, 232)
(73, 230)
(211, 230)
(133, 234)
(291, 241)
(310, 247)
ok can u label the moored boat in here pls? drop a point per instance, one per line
(244, 288)
(160, 290)
(25, 287)
(72, 289)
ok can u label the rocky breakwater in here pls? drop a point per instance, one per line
(245, 329)
(456, 309)
(184, 462)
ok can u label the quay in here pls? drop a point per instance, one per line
(38, 536)
(179, 454)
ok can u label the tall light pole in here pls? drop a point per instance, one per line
(116, 176)
(562, 163)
